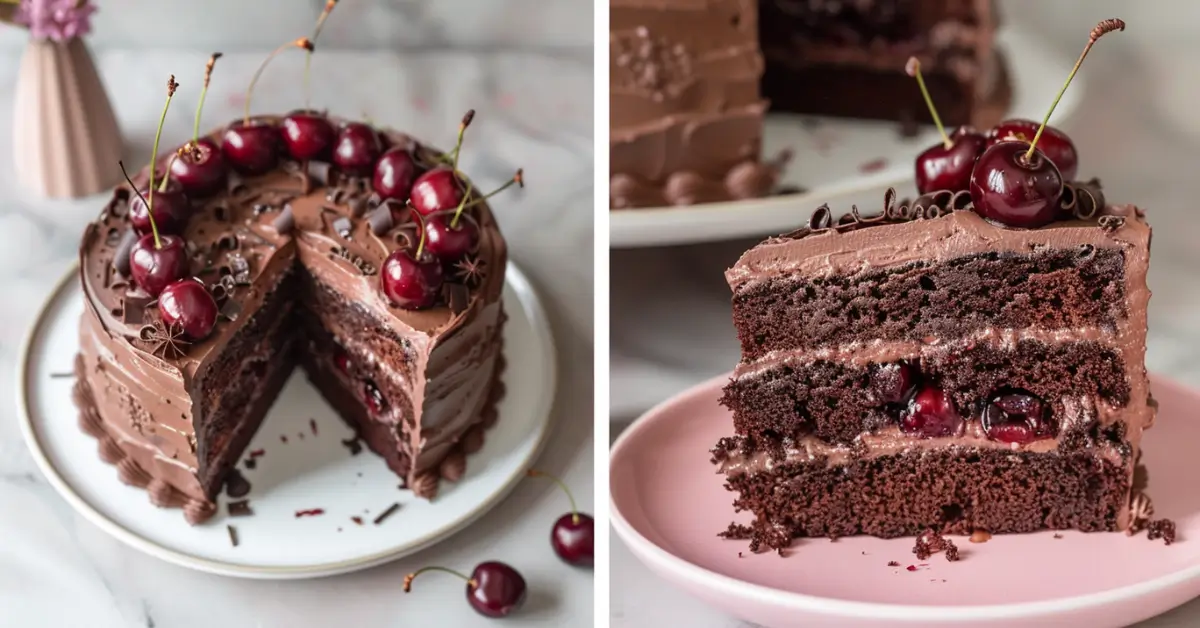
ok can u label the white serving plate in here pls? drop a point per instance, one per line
(309, 471)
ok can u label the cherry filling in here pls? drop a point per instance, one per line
(373, 398)
(931, 414)
(893, 383)
(341, 361)
(1016, 416)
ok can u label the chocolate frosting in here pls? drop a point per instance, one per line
(241, 243)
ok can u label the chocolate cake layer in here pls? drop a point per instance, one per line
(953, 490)
(836, 401)
(184, 411)
(848, 58)
(685, 111)
(1051, 289)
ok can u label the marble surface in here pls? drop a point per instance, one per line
(1137, 130)
(535, 111)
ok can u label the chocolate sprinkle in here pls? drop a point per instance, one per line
(319, 171)
(380, 220)
(233, 535)
(285, 222)
(391, 510)
(240, 508)
(343, 226)
(124, 247)
(231, 310)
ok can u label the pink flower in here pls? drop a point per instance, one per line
(59, 20)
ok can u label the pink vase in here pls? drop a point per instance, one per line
(65, 135)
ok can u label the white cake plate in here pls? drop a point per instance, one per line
(843, 162)
(308, 471)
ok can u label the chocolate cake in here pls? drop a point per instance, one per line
(692, 79)
(360, 255)
(926, 368)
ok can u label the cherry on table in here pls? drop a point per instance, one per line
(188, 304)
(1054, 144)
(307, 135)
(435, 191)
(931, 414)
(394, 174)
(1014, 188)
(948, 167)
(573, 534)
(412, 281)
(251, 147)
(449, 240)
(154, 267)
(200, 172)
(1015, 416)
(171, 209)
(356, 148)
(494, 589)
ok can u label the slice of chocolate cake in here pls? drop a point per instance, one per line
(924, 368)
(261, 255)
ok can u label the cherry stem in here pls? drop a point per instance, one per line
(1107, 26)
(303, 42)
(913, 68)
(518, 179)
(162, 186)
(171, 87)
(412, 576)
(420, 223)
(153, 228)
(329, 4)
(534, 473)
(462, 130)
(208, 70)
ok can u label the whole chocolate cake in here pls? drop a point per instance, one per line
(971, 361)
(692, 79)
(275, 242)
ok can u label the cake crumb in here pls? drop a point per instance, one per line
(980, 536)
(928, 544)
(1057, 535)
(952, 554)
(1161, 529)
(357, 520)
(911, 567)
(353, 445)
(310, 512)
(739, 555)
(283, 439)
(892, 563)
(312, 425)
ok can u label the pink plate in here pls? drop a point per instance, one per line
(668, 504)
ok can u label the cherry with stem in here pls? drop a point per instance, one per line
(161, 208)
(443, 188)
(155, 262)
(199, 167)
(494, 589)
(1018, 186)
(303, 43)
(945, 166)
(252, 147)
(573, 535)
(412, 281)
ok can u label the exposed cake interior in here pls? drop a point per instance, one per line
(1023, 351)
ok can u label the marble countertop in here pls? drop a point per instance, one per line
(1137, 130)
(534, 111)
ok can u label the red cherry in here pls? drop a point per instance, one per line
(1015, 416)
(188, 304)
(356, 149)
(203, 174)
(450, 243)
(572, 538)
(411, 283)
(394, 173)
(1053, 143)
(342, 361)
(941, 168)
(171, 209)
(307, 135)
(435, 191)
(1012, 190)
(931, 414)
(153, 269)
(373, 398)
(251, 148)
(493, 590)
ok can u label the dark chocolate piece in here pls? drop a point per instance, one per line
(236, 484)
(380, 220)
(391, 510)
(124, 248)
(240, 508)
(343, 227)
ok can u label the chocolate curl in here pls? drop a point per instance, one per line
(961, 201)
(1082, 200)
(821, 219)
(1111, 223)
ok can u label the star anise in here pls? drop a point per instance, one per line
(166, 342)
(471, 270)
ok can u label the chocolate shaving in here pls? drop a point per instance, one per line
(343, 226)
(236, 485)
(63, 375)
(121, 256)
(457, 297)
(227, 242)
(391, 510)
(319, 171)
(380, 220)
(285, 222)
(374, 200)
(233, 535)
(240, 269)
(1082, 200)
(118, 205)
(1111, 223)
(231, 310)
(220, 212)
(240, 508)
(134, 306)
(821, 219)
(334, 195)
(234, 184)
(358, 206)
